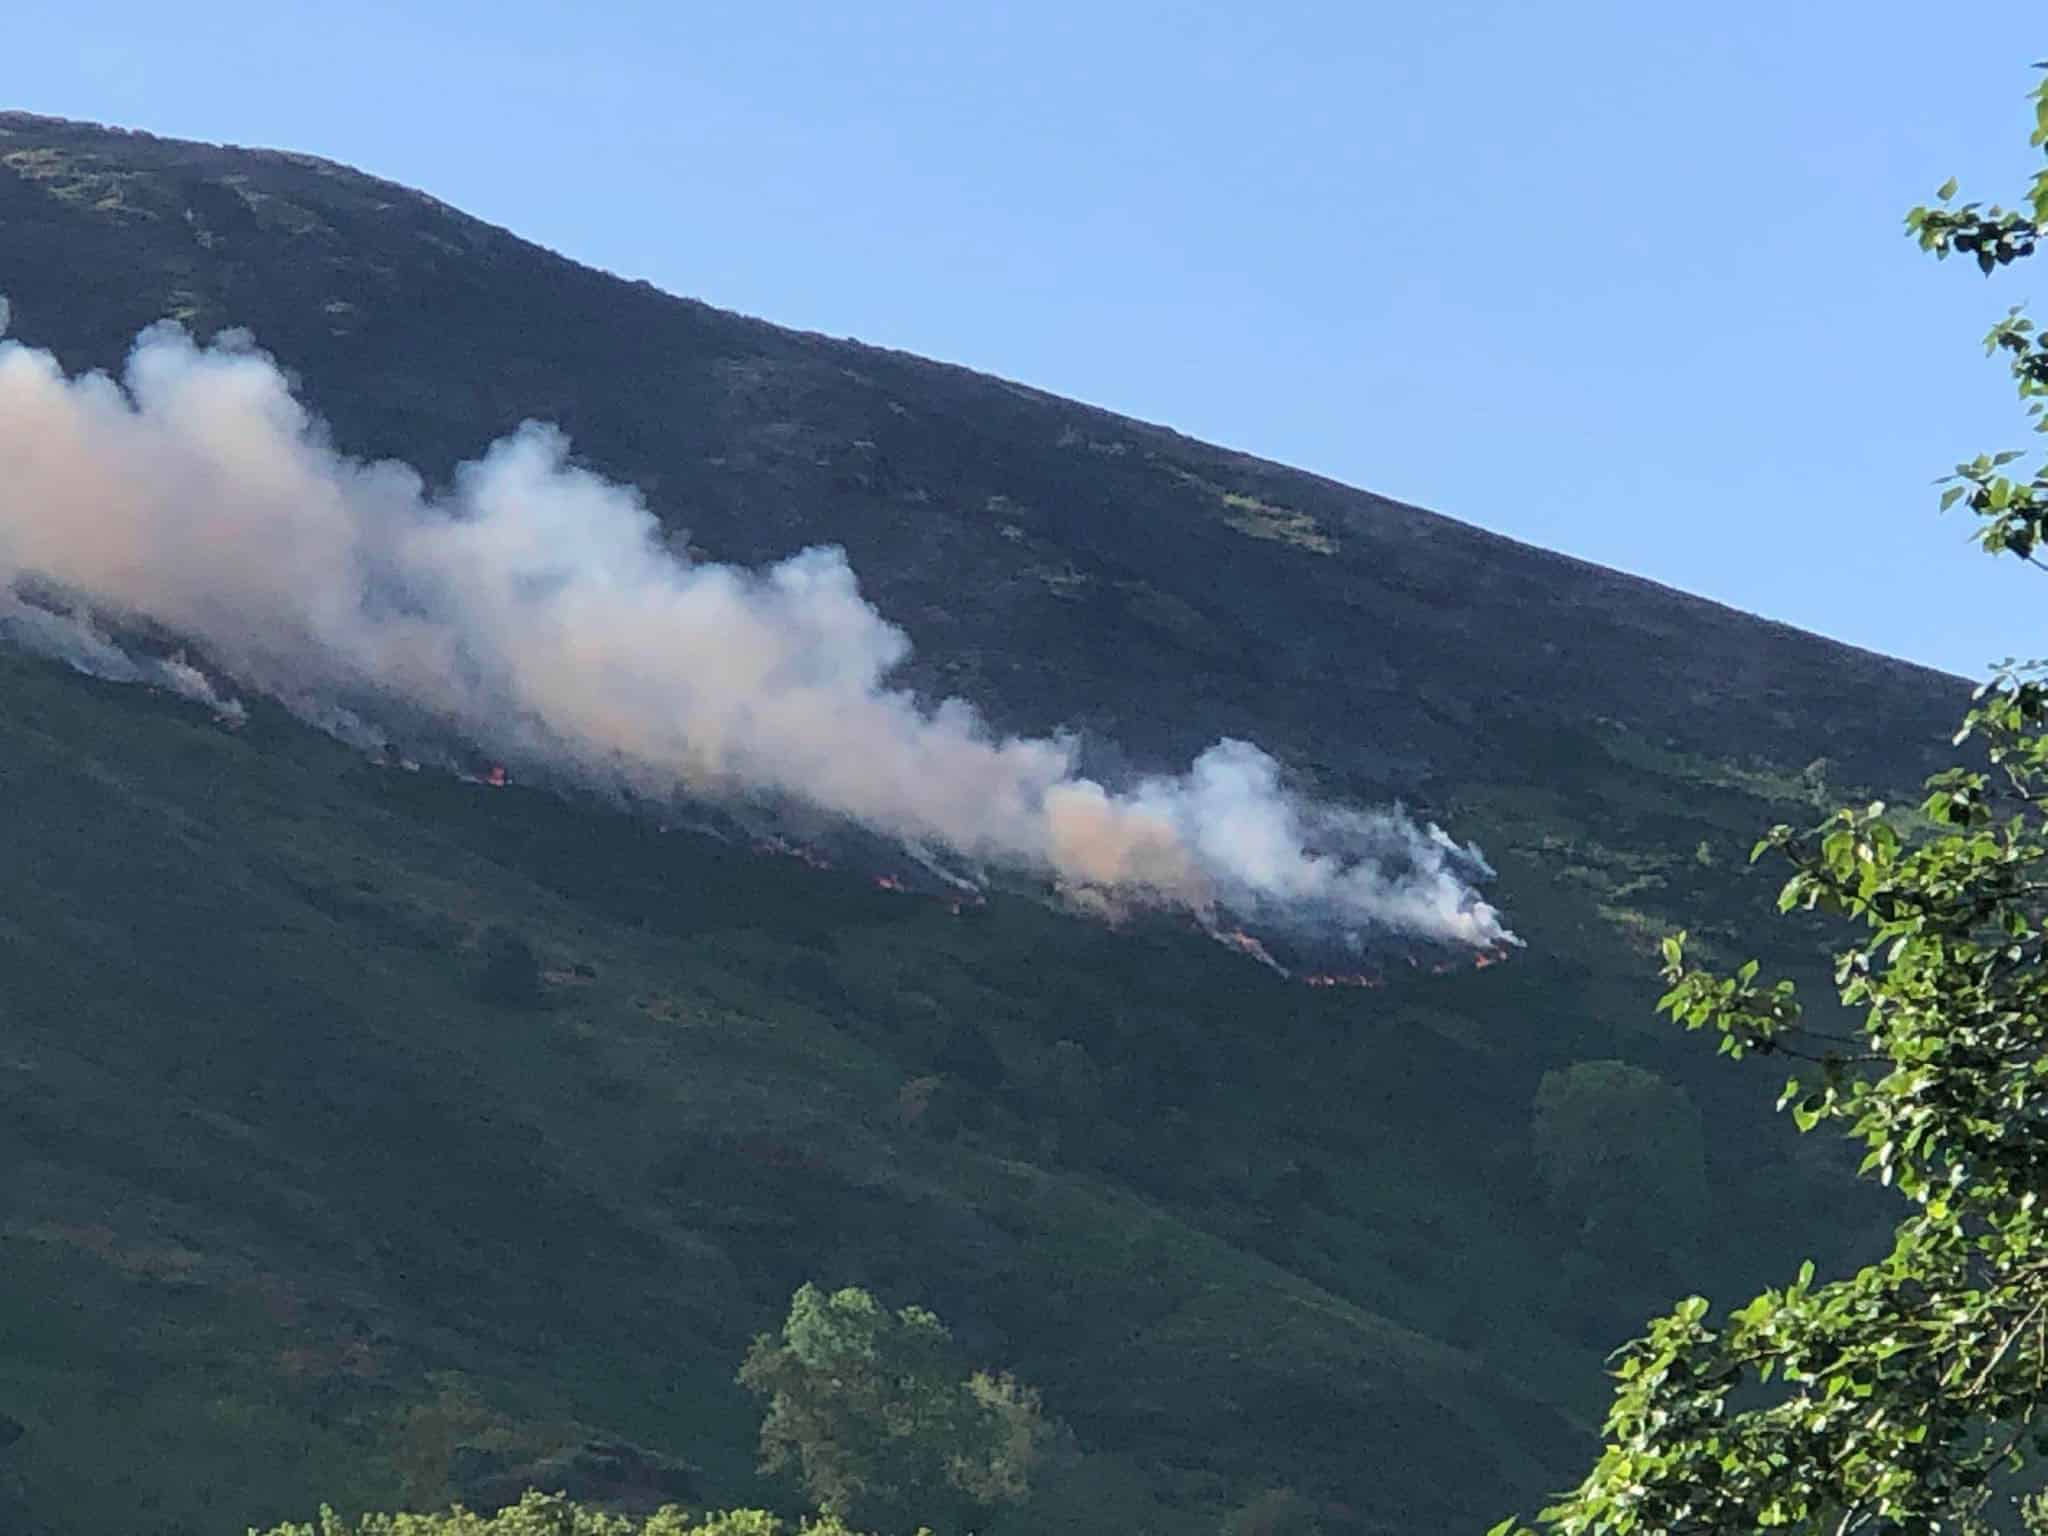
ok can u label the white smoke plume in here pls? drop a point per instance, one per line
(72, 637)
(536, 609)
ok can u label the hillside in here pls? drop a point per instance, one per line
(292, 1213)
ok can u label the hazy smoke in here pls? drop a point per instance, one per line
(537, 610)
(71, 636)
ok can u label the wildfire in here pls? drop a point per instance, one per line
(1480, 962)
(789, 850)
(1245, 944)
(1249, 944)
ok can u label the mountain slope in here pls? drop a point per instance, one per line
(1018, 537)
(312, 1217)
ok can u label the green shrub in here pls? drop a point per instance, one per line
(1622, 1155)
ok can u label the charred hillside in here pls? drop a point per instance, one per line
(304, 1200)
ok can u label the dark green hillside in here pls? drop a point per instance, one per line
(1059, 564)
(295, 1206)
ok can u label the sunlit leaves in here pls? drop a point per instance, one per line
(1911, 1396)
(540, 1514)
(878, 1418)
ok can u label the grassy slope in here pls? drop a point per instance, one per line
(276, 1180)
(280, 1166)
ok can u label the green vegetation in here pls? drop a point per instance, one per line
(551, 1515)
(1262, 520)
(875, 1414)
(508, 971)
(297, 1208)
(1910, 1395)
(1622, 1153)
(1277, 1512)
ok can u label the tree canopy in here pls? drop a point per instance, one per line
(874, 1413)
(542, 1514)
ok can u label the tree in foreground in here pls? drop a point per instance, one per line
(873, 1413)
(541, 1514)
(1908, 1397)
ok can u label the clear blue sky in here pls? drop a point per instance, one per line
(1621, 279)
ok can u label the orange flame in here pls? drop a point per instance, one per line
(788, 850)
(1480, 962)
(1245, 944)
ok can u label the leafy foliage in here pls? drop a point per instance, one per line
(872, 1410)
(541, 1514)
(1911, 1396)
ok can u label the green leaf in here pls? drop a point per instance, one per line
(1896, 1392)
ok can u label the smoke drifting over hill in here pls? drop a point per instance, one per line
(537, 610)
